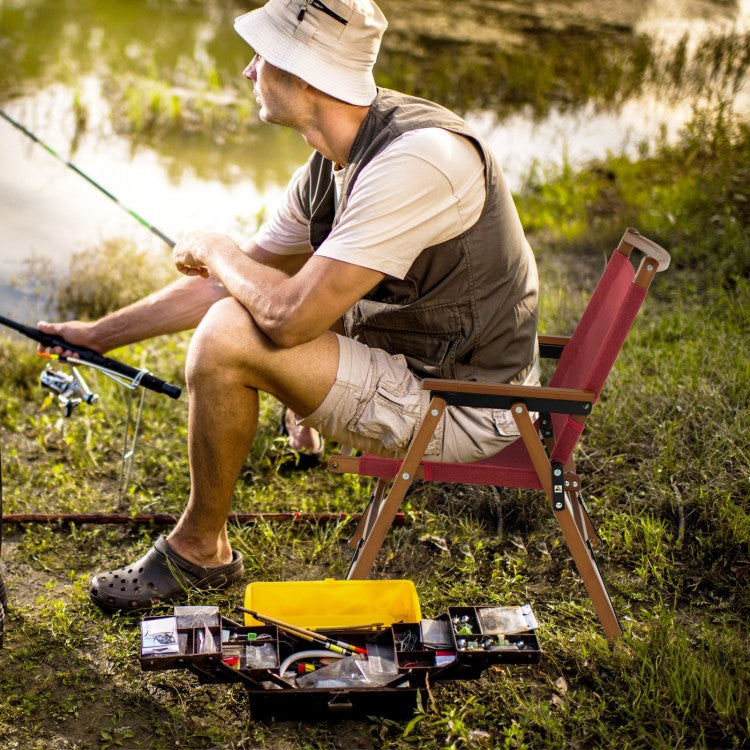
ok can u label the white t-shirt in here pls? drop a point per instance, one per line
(426, 187)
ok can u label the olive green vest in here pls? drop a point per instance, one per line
(468, 307)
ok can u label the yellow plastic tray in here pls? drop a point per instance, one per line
(333, 603)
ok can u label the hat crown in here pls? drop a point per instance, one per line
(356, 24)
(330, 44)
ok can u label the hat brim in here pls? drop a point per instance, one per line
(274, 45)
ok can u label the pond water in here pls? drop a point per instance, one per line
(146, 97)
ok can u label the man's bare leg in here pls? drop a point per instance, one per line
(229, 361)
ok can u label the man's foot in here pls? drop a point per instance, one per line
(305, 441)
(161, 575)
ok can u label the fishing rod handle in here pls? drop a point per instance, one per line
(146, 379)
(158, 385)
(139, 377)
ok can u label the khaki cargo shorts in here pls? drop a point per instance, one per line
(377, 404)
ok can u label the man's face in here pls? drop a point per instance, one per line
(276, 91)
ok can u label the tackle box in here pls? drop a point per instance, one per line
(290, 677)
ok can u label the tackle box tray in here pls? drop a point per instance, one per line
(289, 678)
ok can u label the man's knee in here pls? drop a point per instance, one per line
(226, 339)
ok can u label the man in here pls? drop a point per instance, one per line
(399, 233)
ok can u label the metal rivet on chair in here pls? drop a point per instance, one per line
(405, 475)
(434, 412)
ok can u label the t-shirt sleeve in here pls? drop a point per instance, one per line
(287, 229)
(425, 188)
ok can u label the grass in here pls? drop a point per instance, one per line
(665, 462)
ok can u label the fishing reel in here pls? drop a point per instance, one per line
(71, 388)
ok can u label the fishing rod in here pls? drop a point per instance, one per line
(86, 177)
(118, 371)
(124, 374)
(71, 387)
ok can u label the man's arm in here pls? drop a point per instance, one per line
(289, 309)
(177, 307)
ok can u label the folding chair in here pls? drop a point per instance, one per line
(542, 457)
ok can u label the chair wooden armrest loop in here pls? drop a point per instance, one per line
(502, 396)
(633, 238)
(551, 347)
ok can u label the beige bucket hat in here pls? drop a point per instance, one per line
(330, 44)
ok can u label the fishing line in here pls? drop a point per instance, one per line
(86, 177)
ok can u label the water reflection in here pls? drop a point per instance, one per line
(524, 143)
(64, 39)
(147, 97)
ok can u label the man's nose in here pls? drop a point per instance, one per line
(251, 70)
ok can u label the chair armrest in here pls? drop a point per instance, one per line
(551, 347)
(633, 238)
(503, 396)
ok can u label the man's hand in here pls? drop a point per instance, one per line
(75, 331)
(192, 253)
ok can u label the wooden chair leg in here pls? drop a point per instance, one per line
(573, 487)
(585, 562)
(574, 522)
(370, 512)
(530, 437)
(371, 542)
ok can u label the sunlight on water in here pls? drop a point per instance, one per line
(666, 21)
(520, 143)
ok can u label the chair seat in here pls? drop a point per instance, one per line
(511, 467)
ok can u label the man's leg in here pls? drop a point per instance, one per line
(229, 361)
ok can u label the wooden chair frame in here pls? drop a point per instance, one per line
(544, 461)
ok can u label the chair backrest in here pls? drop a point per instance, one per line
(597, 340)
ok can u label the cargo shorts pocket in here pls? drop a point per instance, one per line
(391, 412)
(388, 417)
